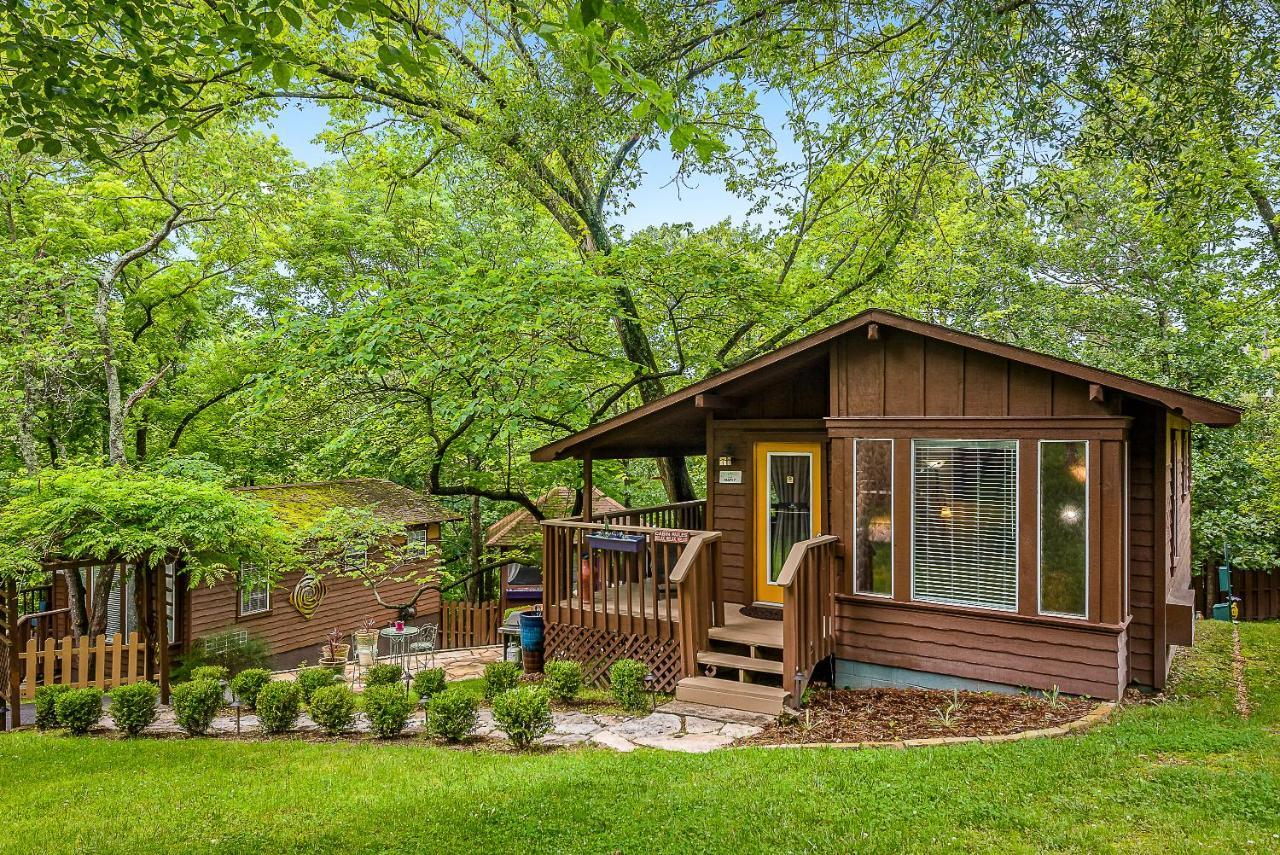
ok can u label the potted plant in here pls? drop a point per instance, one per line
(616, 541)
(367, 642)
(335, 649)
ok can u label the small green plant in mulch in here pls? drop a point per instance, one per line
(499, 677)
(46, 703)
(246, 685)
(311, 679)
(428, 682)
(947, 714)
(563, 679)
(216, 673)
(79, 709)
(524, 713)
(195, 703)
(279, 704)
(134, 707)
(384, 674)
(333, 708)
(388, 709)
(451, 715)
(626, 679)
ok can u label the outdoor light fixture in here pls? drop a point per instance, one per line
(725, 460)
(649, 680)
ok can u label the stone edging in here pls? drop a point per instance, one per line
(1094, 717)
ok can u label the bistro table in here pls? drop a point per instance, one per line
(398, 641)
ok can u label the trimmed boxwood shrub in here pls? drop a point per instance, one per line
(216, 673)
(311, 679)
(385, 674)
(500, 676)
(79, 709)
(133, 707)
(195, 703)
(388, 709)
(46, 702)
(626, 678)
(524, 713)
(279, 704)
(333, 708)
(563, 679)
(246, 685)
(451, 715)
(428, 682)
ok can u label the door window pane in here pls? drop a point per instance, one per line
(873, 516)
(1064, 527)
(790, 517)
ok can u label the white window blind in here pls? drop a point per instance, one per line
(964, 523)
(256, 599)
(170, 599)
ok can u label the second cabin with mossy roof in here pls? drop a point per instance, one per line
(891, 503)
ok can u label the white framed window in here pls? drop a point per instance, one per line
(1063, 537)
(416, 542)
(253, 600)
(170, 599)
(356, 558)
(873, 516)
(964, 522)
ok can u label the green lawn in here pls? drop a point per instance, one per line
(1185, 775)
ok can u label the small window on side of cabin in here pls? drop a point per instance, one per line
(256, 599)
(873, 516)
(416, 542)
(355, 558)
(1064, 528)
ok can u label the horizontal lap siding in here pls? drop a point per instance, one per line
(981, 648)
(731, 508)
(1142, 554)
(347, 603)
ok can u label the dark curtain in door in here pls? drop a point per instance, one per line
(790, 515)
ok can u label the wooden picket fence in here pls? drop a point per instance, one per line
(469, 624)
(105, 662)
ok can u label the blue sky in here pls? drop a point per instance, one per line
(701, 199)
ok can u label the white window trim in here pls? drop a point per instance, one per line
(1088, 475)
(768, 529)
(893, 533)
(361, 564)
(1017, 527)
(245, 592)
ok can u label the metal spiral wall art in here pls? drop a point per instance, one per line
(307, 595)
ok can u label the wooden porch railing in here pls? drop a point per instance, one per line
(807, 609)
(464, 624)
(690, 516)
(696, 577)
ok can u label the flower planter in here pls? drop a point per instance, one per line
(333, 664)
(366, 647)
(614, 542)
(337, 652)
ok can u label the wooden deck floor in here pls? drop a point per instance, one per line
(614, 601)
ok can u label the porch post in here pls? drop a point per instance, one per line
(588, 487)
(10, 687)
(162, 630)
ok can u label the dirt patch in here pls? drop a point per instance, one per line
(893, 715)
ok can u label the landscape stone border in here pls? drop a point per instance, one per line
(1094, 717)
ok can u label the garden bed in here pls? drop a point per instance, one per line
(898, 715)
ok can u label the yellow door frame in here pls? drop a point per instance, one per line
(766, 591)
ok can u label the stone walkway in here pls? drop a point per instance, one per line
(689, 728)
(462, 664)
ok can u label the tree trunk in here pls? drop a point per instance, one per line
(115, 409)
(140, 442)
(102, 583)
(76, 601)
(475, 585)
(26, 419)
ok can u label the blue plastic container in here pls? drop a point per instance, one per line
(531, 631)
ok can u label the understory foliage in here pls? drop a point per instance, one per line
(46, 705)
(134, 707)
(310, 680)
(626, 683)
(79, 709)
(524, 714)
(428, 682)
(562, 679)
(279, 705)
(499, 677)
(333, 708)
(246, 685)
(384, 674)
(388, 709)
(195, 704)
(452, 714)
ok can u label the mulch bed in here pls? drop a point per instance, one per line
(893, 715)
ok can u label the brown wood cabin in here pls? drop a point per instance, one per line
(294, 633)
(920, 507)
(518, 536)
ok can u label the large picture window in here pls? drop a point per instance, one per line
(873, 516)
(964, 523)
(1064, 527)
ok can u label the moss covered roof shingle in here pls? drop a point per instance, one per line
(301, 505)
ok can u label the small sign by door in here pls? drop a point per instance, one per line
(670, 535)
(730, 476)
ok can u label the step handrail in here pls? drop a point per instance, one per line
(806, 580)
(696, 576)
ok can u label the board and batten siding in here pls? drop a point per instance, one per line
(948, 391)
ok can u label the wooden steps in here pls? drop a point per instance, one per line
(734, 695)
(741, 663)
(756, 634)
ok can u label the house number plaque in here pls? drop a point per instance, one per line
(730, 476)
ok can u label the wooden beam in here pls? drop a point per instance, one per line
(588, 486)
(873, 332)
(712, 401)
(1097, 393)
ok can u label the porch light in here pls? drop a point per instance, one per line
(725, 460)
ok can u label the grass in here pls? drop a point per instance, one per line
(1183, 775)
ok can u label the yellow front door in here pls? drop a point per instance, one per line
(788, 507)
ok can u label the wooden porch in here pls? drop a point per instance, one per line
(648, 584)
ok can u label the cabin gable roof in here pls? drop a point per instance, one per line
(300, 505)
(675, 416)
